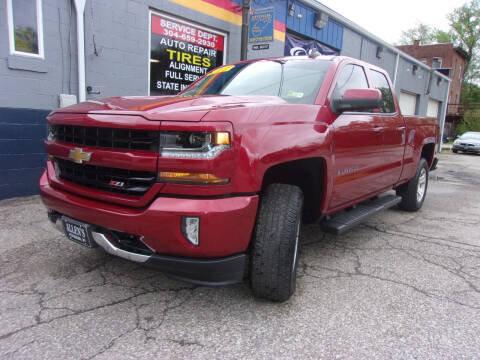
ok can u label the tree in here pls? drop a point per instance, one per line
(470, 122)
(422, 32)
(465, 29)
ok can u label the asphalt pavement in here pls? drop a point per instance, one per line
(400, 286)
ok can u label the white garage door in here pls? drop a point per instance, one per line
(432, 109)
(408, 103)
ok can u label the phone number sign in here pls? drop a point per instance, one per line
(180, 54)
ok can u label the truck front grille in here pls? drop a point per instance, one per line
(127, 182)
(107, 138)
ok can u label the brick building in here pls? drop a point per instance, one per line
(449, 60)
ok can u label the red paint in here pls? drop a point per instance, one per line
(190, 34)
(364, 154)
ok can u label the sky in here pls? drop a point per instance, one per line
(387, 18)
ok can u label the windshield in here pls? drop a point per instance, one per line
(296, 81)
(471, 135)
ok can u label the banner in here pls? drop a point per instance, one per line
(295, 46)
(261, 23)
(180, 54)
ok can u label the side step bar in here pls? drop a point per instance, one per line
(343, 221)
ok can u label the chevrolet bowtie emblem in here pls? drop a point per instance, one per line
(79, 156)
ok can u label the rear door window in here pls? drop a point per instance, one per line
(380, 82)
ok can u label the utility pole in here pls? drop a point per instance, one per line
(245, 14)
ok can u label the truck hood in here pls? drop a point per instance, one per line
(168, 108)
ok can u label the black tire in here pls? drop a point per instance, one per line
(455, 151)
(411, 199)
(275, 243)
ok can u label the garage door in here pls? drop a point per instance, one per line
(432, 109)
(408, 103)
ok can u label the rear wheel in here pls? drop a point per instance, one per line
(275, 243)
(455, 151)
(413, 193)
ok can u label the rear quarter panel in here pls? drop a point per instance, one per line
(420, 132)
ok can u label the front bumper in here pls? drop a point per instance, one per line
(208, 272)
(468, 149)
(226, 226)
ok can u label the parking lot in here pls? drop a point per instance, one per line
(402, 285)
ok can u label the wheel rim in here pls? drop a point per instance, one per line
(295, 251)
(422, 185)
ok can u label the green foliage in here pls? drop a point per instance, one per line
(422, 32)
(470, 122)
(470, 93)
(465, 26)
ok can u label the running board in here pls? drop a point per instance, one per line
(343, 221)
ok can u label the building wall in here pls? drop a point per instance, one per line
(29, 89)
(451, 59)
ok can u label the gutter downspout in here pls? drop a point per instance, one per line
(442, 119)
(80, 9)
(397, 60)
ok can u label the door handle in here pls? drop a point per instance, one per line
(401, 128)
(378, 129)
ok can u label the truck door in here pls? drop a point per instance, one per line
(358, 144)
(394, 130)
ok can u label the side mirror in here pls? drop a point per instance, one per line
(358, 100)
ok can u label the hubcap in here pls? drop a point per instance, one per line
(422, 185)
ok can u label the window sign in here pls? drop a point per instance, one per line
(180, 53)
(25, 27)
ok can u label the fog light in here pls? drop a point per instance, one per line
(191, 229)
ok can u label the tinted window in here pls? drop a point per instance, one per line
(380, 82)
(296, 81)
(351, 77)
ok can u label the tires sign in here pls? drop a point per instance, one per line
(180, 53)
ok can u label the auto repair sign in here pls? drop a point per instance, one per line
(181, 53)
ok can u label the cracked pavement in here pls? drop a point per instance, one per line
(401, 285)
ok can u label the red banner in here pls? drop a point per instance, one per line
(187, 33)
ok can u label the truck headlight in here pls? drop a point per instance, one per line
(193, 145)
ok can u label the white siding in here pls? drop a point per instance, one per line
(432, 109)
(408, 103)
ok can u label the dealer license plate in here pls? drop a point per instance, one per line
(78, 232)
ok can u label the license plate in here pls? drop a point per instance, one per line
(78, 232)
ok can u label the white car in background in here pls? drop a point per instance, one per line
(468, 142)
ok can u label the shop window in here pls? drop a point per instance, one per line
(181, 52)
(25, 27)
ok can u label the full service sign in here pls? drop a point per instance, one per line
(180, 54)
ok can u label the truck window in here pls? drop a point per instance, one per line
(380, 82)
(295, 81)
(351, 77)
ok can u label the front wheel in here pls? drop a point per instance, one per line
(413, 193)
(455, 151)
(275, 243)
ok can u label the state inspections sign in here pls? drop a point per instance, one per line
(181, 53)
(261, 24)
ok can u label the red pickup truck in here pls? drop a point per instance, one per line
(212, 185)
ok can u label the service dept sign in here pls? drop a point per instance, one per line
(181, 53)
